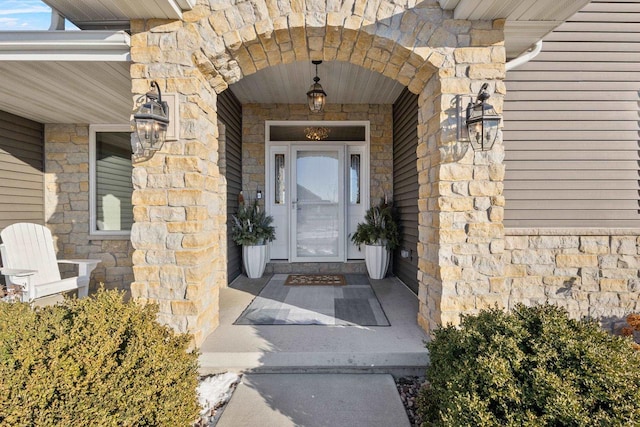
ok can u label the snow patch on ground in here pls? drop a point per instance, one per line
(215, 391)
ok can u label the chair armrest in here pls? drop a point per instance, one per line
(85, 267)
(17, 272)
(80, 261)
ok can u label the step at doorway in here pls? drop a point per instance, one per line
(285, 267)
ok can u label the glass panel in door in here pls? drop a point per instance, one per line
(318, 208)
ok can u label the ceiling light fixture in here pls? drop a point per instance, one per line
(316, 133)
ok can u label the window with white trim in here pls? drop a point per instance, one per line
(110, 170)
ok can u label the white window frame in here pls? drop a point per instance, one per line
(93, 229)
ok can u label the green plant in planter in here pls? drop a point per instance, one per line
(379, 228)
(252, 226)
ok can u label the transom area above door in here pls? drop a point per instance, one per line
(317, 187)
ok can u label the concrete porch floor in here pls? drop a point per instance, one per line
(397, 349)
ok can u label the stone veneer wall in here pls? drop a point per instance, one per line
(179, 232)
(381, 140)
(590, 272)
(461, 205)
(67, 208)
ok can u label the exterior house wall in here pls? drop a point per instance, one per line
(405, 186)
(230, 147)
(571, 184)
(421, 46)
(571, 126)
(21, 170)
(67, 208)
(381, 148)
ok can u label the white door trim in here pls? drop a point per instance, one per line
(283, 217)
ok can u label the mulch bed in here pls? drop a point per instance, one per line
(408, 388)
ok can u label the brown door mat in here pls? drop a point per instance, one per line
(315, 280)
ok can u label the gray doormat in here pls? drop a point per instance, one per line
(315, 280)
(354, 304)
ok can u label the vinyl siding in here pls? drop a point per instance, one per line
(571, 124)
(230, 114)
(405, 185)
(21, 170)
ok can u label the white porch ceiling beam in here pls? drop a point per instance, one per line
(65, 46)
(515, 10)
(521, 33)
(527, 21)
(448, 4)
(186, 4)
(66, 92)
(120, 10)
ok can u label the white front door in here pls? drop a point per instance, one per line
(316, 192)
(317, 203)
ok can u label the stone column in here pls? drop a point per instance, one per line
(461, 234)
(179, 207)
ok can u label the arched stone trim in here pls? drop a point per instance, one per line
(179, 260)
(405, 44)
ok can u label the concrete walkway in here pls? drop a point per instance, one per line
(313, 375)
(397, 349)
(315, 400)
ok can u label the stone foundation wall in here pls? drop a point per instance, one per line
(594, 273)
(67, 208)
(381, 140)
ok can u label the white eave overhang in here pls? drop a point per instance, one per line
(526, 21)
(85, 13)
(65, 46)
(66, 76)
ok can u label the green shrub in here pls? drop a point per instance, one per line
(96, 361)
(532, 367)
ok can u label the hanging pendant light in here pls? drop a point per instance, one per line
(316, 95)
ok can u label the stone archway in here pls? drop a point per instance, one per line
(178, 199)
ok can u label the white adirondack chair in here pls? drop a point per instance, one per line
(29, 261)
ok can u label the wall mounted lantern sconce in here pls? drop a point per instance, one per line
(316, 95)
(151, 120)
(482, 121)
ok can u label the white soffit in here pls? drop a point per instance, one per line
(119, 10)
(64, 46)
(344, 83)
(527, 21)
(67, 92)
(66, 76)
